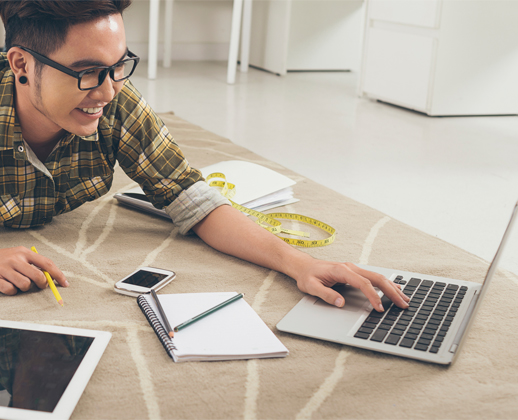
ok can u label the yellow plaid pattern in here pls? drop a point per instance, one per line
(80, 169)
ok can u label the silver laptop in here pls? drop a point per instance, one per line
(432, 329)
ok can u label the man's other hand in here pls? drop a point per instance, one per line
(19, 267)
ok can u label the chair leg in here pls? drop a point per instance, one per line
(234, 41)
(245, 35)
(154, 6)
(168, 33)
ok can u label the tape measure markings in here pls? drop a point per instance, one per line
(228, 190)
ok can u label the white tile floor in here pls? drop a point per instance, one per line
(454, 178)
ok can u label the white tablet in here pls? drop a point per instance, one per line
(44, 369)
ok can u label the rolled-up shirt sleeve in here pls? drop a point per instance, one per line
(148, 154)
(193, 205)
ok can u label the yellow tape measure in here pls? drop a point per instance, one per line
(228, 190)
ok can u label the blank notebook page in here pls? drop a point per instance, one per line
(233, 331)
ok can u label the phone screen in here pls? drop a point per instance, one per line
(145, 278)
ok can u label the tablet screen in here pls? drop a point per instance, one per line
(36, 366)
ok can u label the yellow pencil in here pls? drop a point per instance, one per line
(51, 283)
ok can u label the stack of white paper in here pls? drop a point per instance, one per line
(257, 187)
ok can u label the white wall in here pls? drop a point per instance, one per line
(201, 29)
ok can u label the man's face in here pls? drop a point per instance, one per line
(56, 95)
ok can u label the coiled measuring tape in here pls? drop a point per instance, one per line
(274, 226)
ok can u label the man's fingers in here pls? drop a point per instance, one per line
(18, 280)
(326, 294)
(7, 288)
(30, 272)
(389, 288)
(47, 265)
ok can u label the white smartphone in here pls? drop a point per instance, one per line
(144, 279)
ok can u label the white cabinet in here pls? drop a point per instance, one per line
(442, 57)
(306, 35)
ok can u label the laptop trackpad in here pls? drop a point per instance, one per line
(315, 318)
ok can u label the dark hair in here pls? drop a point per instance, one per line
(42, 25)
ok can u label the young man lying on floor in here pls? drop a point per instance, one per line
(69, 113)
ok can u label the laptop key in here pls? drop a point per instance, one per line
(379, 335)
(434, 349)
(386, 302)
(421, 347)
(414, 282)
(437, 343)
(392, 339)
(373, 320)
(406, 343)
(366, 330)
(362, 335)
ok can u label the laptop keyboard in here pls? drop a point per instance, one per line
(424, 324)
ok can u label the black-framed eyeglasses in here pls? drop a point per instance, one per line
(94, 76)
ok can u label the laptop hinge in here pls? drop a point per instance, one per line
(464, 324)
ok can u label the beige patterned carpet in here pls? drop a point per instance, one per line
(101, 242)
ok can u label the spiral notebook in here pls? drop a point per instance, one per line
(233, 332)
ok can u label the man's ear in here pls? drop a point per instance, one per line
(18, 62)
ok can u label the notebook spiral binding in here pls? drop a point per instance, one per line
(157, 325)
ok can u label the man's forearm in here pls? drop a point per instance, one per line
(228, 230)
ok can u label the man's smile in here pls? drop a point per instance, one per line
(91, 110)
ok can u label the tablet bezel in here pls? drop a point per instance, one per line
(75, 388)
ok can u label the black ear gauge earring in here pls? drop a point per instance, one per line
(22, 80)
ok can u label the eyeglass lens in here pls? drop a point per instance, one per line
(96, 76)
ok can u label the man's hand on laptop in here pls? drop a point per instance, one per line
(20, 267)
(320, 276)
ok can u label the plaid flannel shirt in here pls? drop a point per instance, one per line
(80, 169)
